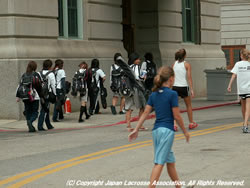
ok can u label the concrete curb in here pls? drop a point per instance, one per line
(136, 118)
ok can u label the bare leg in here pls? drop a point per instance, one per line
(128, 118)
(173, 173)
(187, 101)
(114, 101)
(122, 103)
(243, 108)
(247, 112)
(155, 175)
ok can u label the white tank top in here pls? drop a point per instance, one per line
(180, 74)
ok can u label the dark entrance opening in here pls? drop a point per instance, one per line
(128, 27)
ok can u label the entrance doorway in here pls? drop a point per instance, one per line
(128, 27)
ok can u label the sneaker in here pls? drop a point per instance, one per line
(121, 112)
(31, 127)
(113, 110)
(50, 127)
(245, 129)
(80, 120)
(192, 125)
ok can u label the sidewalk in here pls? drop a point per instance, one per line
(104, 119)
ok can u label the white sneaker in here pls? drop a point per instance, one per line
(245, 129)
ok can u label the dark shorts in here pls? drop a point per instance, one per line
(244, 96)
(182, 91)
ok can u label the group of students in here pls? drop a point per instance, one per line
(132, 81)
(50, 86)
(145, 73)
(47, 86)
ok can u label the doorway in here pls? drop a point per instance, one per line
(128, 27)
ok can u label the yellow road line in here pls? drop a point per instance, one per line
(74, 161)
(3, 182)
(35, 177)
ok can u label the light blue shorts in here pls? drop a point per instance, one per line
(163, 139)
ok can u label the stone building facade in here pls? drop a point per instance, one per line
(77, 30)
(235, 28)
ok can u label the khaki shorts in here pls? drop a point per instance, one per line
(138, 100)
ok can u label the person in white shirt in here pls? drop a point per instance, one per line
(137, 99)
(31, 103)
(81, 89)
(148, 68)
(183, 84)
(96, 75)
(47, 73)
(241, 70)
(115, 87)
(60, 90)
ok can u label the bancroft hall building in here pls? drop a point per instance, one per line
(211, 31)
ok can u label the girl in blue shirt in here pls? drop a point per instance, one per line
(165, 102)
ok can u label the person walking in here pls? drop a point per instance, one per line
(80, 88)
(183, 84)
(30, 91)
(96, 75)
(241, 70)
(149, 67)
(115, 82)
(165, 102)
(48, 77)
(60, 90)
(137, 98)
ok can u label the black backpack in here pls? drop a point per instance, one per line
(25, 90)
(79, 84)
(115, 78)
(126, 89)
(93, 83)
(151, 70)
(45, 84)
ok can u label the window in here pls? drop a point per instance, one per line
(70, 18)
(191, 21)
(232, 54)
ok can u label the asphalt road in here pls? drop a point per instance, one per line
(217, 156)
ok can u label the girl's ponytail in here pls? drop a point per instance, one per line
(163, 75)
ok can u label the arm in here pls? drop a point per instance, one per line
(110, 75)
(179, 120)
(133, 135)
(229, 88)
(189, 77)
(53, 83)
(63, 85)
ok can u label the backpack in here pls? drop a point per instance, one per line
(126, 89)
(45, 84)
(93, 83)
(151, 70)
(79, 84)
(25, 90)
(115, 78)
